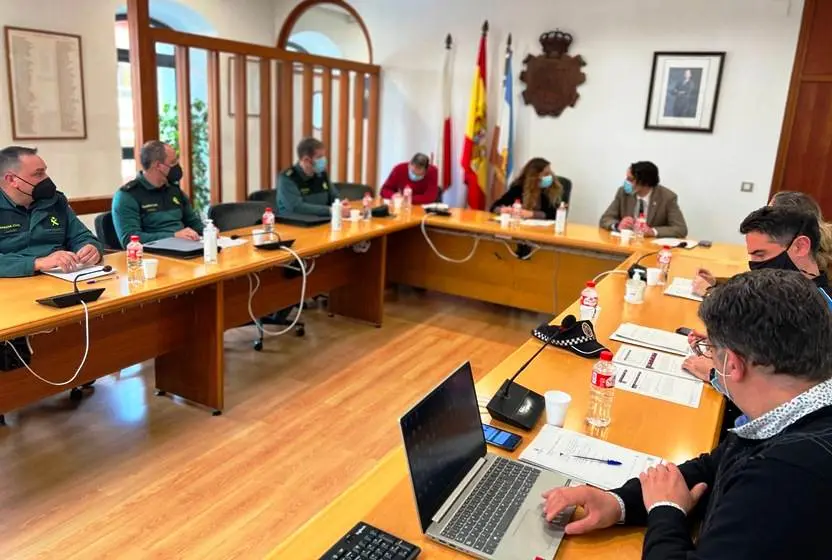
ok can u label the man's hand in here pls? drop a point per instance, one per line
(505, 209)
(88, 255)
(703, 281)
(526, 214)
(649, 232)
(665, 483)
(626, 223)
(699, 366)
(65, 260)
(187, 233)
(600, 508)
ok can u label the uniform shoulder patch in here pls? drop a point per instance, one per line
(130, 185)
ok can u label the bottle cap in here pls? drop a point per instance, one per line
(134, 238)
(606, 356)
(268, 209)
(666, 247)
(517, 201)
(590, 284)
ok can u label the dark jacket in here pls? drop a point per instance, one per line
(663, 215)
(46, 226)
(140, 208)
(515, 192)
(767, 499)
(298, 193)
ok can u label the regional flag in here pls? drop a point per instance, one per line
(502, 144)
(443, 160)
(474, 154)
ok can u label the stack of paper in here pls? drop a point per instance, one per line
(683, 288)
(555, 449)
(656, 374)
(89, 273)
(652, 338)
(226, 242)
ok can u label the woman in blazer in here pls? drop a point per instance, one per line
(538, 190)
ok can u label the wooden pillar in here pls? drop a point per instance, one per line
(326, 102)
(266, 179)
(214, 127)
(286, 103)
(343, 123)
(308, 94)
(358, 128)
(372, 132)
(240, 128)
(143, 73)
(183, 108)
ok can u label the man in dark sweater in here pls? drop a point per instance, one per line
(764, 493)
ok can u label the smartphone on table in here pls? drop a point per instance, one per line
(501, 438)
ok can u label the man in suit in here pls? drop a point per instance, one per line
(641, 193)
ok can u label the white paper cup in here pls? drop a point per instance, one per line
(653, 276)
(355, 214)
(151, 267)
(505, 219)
(398, 200)
(626, 236)
(557, 403)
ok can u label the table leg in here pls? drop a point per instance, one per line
(363, 297)
(194, 370)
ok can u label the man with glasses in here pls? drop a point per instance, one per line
(38, 229)
(152, 205)
(764, 492)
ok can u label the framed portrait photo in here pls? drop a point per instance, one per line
(684, 91)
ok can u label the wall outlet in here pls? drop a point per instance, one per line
(747, 187)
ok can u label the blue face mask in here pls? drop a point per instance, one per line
(628, 186)
(413, 176)
(546, 181)
(718, 380)
(319, 164)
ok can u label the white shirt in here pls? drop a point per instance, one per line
(646, 200)
(775, 421)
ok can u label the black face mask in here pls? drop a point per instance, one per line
(779, 262)
(43, 190)
(174, 174)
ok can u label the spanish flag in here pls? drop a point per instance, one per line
(474, 154)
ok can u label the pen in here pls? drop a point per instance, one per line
(97, 280)
(611, 462)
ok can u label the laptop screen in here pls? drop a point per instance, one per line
(443, 440)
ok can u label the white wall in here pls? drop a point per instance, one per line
(594, 142)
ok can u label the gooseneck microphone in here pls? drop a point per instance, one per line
(516, 405)
(76, 296)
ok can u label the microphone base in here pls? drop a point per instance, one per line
(521, 408)
(72, 298)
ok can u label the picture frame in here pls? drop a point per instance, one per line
(52, 61)
(684, 91)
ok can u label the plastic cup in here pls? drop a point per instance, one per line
(626, 236)
(151, 267)
(355, 214)
(557, 403)
(653, 276)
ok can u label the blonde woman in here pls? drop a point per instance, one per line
(538, 190)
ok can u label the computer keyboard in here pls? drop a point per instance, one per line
(365, 542)
(488, 511)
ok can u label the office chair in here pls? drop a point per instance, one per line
(233, 215)
(269, 196)
(567, 189)
(106, 231)
(353, 191)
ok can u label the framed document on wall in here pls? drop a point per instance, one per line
(46, 85)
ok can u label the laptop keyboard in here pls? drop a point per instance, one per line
(488, 511)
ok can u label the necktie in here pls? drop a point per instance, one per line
(640, 206)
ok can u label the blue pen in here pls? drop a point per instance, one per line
(611, 462)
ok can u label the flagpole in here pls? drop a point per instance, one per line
(502, 138)
(443, 153)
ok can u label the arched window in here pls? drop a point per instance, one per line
(166, 83)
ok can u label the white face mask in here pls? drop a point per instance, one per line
(722, 386)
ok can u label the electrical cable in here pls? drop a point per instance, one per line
(614, 271)
(252, 289)
(80, 366)
(440, 255)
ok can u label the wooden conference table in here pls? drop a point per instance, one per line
(179, 318)
(384, 497)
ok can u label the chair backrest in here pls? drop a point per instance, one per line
(267, 196)
(353, 191)
(567, 189)
(233, 215)
(106, 231)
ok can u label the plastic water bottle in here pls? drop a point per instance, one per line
(407, 203)
(634, 289)
(335, 220)
(640, 228)
(589, 302)
(135, 254)
(665, 255)
(516, 213)
(367, 207)
(268, 221)
(601, 391)
(209, 242)
(560, 219)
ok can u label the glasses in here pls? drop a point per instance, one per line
(702, 347)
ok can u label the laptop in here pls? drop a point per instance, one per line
(468, 499)
(301, 220)
(176, 247)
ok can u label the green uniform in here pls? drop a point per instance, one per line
(140, 208)
(298, 193)
(46, 226)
